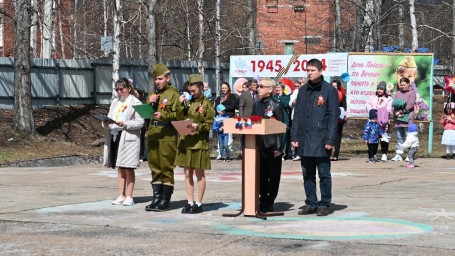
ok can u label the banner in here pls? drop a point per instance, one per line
(251, 66)
(367, 70)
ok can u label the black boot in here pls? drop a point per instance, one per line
(157, 194)
(165, 202)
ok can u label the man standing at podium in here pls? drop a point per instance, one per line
(313, 132)
(270, 146)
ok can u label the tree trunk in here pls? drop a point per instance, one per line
(401, 42)
(76, 20)
(187, 28)
(151, 36)
(105, 24)
(377, 26)
(116, 47)
(23, 114)
(47, 31)
(218, 45)
(356, 41)
(368, 26)
(201, 46)
(339, 45)
(415, 36)
(251, 12)
(33, 33)
(60, 29)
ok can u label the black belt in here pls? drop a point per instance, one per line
(158, 123)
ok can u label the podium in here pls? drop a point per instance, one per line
(250, 163)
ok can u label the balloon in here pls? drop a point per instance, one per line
(289, 85)
(449, 84)
(238, 85)
(345, 77)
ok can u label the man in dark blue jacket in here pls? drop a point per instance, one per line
(313, 132)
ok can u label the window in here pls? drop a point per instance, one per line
(312, 39)
(288, 48)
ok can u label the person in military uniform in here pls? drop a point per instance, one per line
(193, 150)
(162, 138)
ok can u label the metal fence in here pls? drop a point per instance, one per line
(83, 81)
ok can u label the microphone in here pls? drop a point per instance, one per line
(157, 99)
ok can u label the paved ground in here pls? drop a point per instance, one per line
(379, 209)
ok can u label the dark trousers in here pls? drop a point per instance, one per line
(384, 147)
(372, 150)
(337, 145)
(309, 166)
(143, 148)
(287, 144)
(270, 174)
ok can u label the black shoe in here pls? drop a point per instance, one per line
(307, 210)
(228, 159)
(195, 209)
(263, 207)
(269, 209)
(186, 209)
(322, 211)
(221, 159)
(157, 194)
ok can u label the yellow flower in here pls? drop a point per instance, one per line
(389, 86)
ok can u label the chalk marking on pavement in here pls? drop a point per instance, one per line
(436, 214)
(329, 228)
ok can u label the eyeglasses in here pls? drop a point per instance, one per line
(119, 89)
(262, 86)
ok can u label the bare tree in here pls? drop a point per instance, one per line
(75, 29)
(401, 38)
(368, 25)
(218, 45)
(47, 29)
(188, 28)
(377, 33)
(251, 12)
(60, 28)
(356, 41)
(201, 46)
(23, 114)
(151, 36)
(33, 33)
(415, 39)
(116, 46)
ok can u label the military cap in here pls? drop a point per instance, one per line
(408, 62)
(159, 69)
(196, 78)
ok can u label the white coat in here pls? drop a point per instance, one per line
(129, 144)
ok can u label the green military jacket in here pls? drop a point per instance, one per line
(204, 121)
(169, 106)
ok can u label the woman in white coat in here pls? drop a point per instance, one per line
(122, 144)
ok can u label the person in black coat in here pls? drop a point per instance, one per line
(270, 146)
(231, 103)
(228, 99)
(314, 131)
